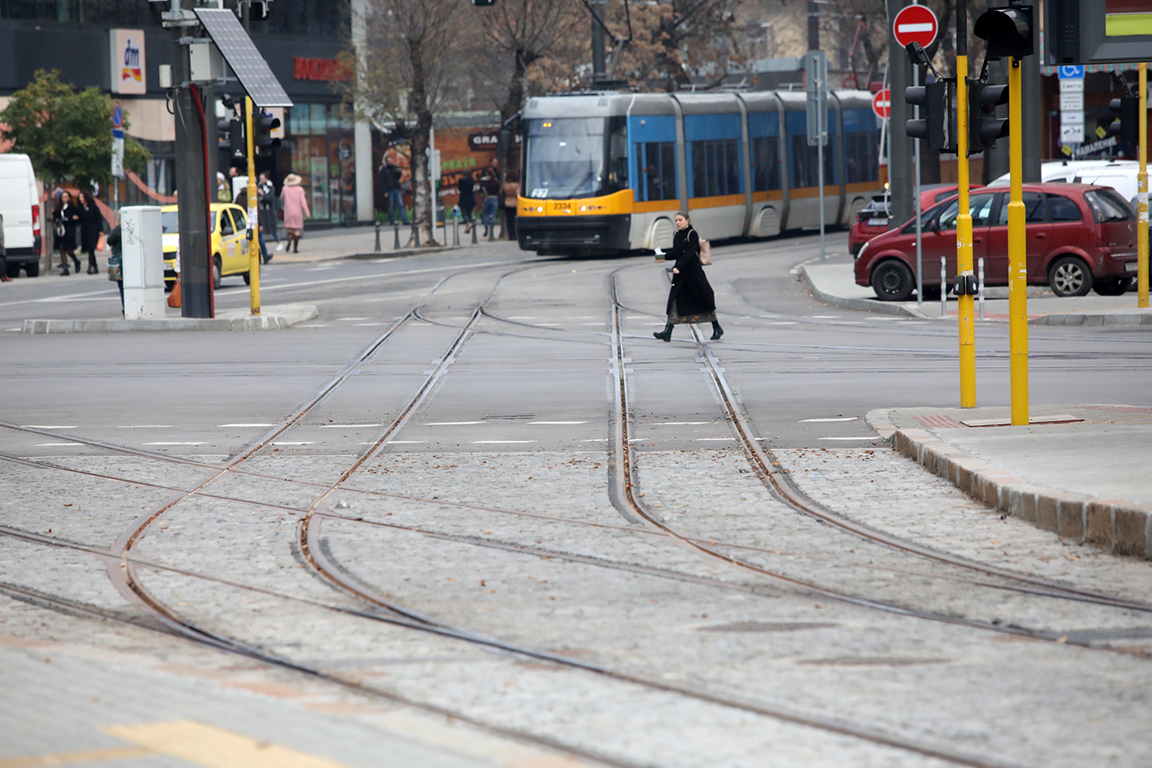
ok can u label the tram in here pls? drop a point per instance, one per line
(607, 172)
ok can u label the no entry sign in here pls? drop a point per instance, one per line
(915, 24)
(882, 104)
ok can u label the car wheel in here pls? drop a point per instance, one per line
(216, 269)
(1113, 286)
(1069, 276)
(32, 269)
(892, 281)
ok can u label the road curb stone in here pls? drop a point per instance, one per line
(1121, 526)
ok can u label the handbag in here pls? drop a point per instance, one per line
(60, 229)
(705, 252)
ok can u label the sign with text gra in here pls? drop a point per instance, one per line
(126, 54)
(915, 24)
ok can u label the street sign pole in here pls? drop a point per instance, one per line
(916, 194)
(1142, 178)
(816, 71)
(964, 266)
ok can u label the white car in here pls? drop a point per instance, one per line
(20, 207)
(1118, 174)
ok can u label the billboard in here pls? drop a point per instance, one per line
(126, 54)
(1097, 31)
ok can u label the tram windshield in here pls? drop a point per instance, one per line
(568, 158)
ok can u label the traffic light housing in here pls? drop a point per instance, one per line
(1007, 31)
(264, 125)
(936, 124)
(232, 139)
(1126, 126)
(984, 128)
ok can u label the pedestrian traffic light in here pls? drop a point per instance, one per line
(936, 122)
(265, 124)
(1008, 31)
(1126, 126)
(983, 125)
(231, 134)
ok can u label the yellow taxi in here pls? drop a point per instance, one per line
(226, 234)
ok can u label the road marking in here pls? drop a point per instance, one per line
(65, 297)
(45, 426)
(782, 322)
(212, 747)
(599, 323)
(45, 445)
(145, 426)
(180, 442)
(826, 317)
(380, 275)
(14, 330)
(495, 442)
(451, 423)
(848, 438)
(347, 426)
(221, 426)
(557, 422)
(71, 758)
(848, 418)
(291, 442)
(604, 440)
(350, 319)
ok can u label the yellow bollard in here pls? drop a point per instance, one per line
(1017, 256)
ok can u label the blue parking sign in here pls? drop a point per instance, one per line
(1071, 72)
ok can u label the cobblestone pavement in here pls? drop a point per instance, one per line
(512, 612)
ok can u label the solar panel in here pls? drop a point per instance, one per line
(243, 57)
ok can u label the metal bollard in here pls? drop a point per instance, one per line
(980, 264)
(943, 288)
(396, 232)
(474, 241)
(455, 231)
(415, 234)
(377, 237)
(492, 230)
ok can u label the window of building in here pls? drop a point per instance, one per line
(657, 161)
(715, 167)
(765, 163)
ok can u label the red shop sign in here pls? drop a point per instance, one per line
(322, 70)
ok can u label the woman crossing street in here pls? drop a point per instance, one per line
(690, 299)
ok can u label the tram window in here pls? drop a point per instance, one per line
(805, 159)
(715, 167)
(617, 154)
(657, 161)
(860, 155)
(766, 163)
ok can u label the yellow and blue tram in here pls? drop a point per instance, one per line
(607, 172)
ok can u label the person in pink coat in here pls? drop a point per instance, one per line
(295, 211)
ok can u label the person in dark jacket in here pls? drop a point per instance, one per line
(91, 227)
(65, 218)
(116, 261)
(391, 182)
(467, 203)
(690, 299)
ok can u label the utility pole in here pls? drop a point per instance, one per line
(813, 26)
(191, 175)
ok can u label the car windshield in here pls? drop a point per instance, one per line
(565, 157)
(170, 222)
(1107, 206)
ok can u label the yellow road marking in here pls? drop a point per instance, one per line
(215, 747)
(72, 758)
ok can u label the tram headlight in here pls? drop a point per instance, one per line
(540, 209)
(583, 208)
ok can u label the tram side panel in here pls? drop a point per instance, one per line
(861, 157)
(654, 173)
(769, 206)
(715, 157)
(804, 174)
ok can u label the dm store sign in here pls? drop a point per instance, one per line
(127, 57)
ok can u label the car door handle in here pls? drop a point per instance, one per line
(977, 239)
(1041, 235)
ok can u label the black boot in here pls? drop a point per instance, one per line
(717, 331)
(666, 334)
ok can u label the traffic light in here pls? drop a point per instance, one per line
(1126, 126)
(231, 134)
(265, 124)
(1008, 31)
(983, 125)
(936, 124)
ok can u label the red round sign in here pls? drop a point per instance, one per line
(882, 103)
(915, 24)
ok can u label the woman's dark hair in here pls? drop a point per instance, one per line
(513, 176)
(87, 200)
(684, 215)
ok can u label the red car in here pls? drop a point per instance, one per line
(872, 220)
(1080, 238)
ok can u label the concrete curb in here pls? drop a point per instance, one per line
(1129, 318)
(272, 318)
(1125, 528)
(867, 305)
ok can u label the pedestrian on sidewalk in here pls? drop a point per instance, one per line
(690, 299)
(467, 188)
(266, 200)
(295, 210)
(91, 227)
(390, 178)
(510, 192)
(490, 184)
(116, 260)
(64, 219)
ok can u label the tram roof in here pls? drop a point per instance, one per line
(611, 103)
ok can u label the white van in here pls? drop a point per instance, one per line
(1118, 174)
(20, 206)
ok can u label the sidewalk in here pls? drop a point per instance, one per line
(835, 284)
(272, 317)
(360, 243)
(1079, 470)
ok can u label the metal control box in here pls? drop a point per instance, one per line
(142, 246)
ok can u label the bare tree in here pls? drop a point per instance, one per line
(405, 73)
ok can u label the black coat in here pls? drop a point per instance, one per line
(691, 294)
(91, 225)
(66, 214)
(467, 193)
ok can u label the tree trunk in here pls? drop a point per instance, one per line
(423, 206)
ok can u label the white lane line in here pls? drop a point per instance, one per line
(600, 323)
(14, 330)
(179, 442)
(874, 437)
(826, 317)
(500, 442)
(347, 426)
(678, 423)
(604, 440)
(451, 423)
(291, 442)
(848, 418)
(145, 426)
(45, 426)
(391, 298)
(64, 297)
(45, 445)
(221, 426)
(350, 319)
(557, 422)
